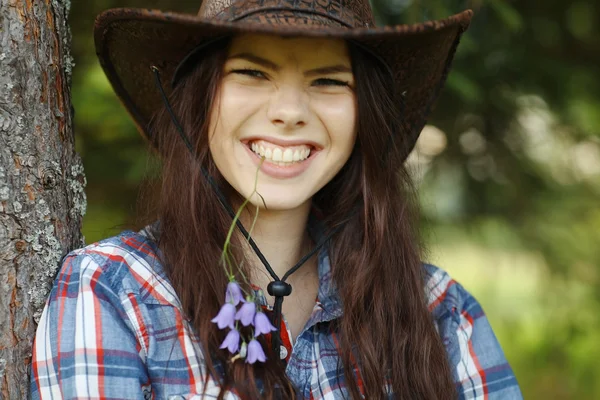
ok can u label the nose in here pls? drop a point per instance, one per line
(288, 107)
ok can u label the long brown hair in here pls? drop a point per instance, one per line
(386, 328)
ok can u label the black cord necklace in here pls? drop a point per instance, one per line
(278, 288)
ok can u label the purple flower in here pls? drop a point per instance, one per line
(255, 352)
(233, 294)
(232, 341)
(246, 313)
(262, 324)
(225, 317)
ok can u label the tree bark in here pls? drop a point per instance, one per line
(41, 178)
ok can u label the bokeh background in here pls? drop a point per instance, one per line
(508, 170)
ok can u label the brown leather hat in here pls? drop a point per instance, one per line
(130, 41)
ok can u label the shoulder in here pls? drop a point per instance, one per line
(447, 296)
(480, 368)
(127, 263)
(453, 308)
(443, 293)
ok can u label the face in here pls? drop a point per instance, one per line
(290, 103)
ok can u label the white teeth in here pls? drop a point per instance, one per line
(281, 157)
(288, 155)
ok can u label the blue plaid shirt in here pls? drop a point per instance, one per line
(113, 328)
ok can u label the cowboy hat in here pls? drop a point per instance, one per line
(129, 42)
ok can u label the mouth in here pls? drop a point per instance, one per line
(280, 154)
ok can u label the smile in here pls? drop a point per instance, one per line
(282, 159)
(280, 155)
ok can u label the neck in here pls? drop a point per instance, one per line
(282, 238)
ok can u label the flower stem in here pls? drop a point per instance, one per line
(225, 254)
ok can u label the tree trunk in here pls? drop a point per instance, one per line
(41, 178)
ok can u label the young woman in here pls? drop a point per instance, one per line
(284, 261)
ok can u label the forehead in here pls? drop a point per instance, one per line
(299, 49)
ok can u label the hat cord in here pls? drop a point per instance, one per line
(278, 288)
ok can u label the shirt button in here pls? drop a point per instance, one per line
(283, 353)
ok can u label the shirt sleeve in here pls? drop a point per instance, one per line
(85, 347)
(481, 370)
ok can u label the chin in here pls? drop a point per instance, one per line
(280, 200)
(278, 203)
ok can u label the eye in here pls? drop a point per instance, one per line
(249, 72)
(330, 82)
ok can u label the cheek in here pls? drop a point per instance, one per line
(235, 106)
(340, 119)
(238, 102)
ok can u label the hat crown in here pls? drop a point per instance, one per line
(348, 13)
(210, 8)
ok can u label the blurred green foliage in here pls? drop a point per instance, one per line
(509, 172)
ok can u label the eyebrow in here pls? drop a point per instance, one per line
(271, 65)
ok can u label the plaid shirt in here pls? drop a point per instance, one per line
(113, 329)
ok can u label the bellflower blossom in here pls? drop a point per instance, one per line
(245, 311)
(255, 352)
(262, 324)
(233, 294)
(225, 317)
(232, 341)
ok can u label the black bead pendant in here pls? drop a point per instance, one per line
(279, 289)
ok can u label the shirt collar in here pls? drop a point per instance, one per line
(328, 297)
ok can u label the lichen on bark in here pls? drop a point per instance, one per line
(42, 183)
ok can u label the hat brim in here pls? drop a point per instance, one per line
(130, 41)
